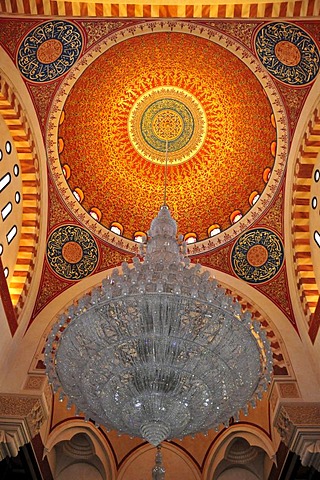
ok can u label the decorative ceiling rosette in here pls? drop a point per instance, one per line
(257, 255)
(49, 50)
(72, 252)
(167, 114)
(288, 53)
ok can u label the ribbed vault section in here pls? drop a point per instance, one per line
(301, 235)
(13, 115)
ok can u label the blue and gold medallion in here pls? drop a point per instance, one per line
(72, 252)
(288, 53)
(257, 255)
(49, 51)
(167, 114)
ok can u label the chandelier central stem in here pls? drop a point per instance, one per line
(165, 176)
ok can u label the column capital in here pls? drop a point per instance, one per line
(298, 424)
(21, 417)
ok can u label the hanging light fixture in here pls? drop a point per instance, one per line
(158, 351)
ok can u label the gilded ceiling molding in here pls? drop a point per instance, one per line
(151, 9)
(15, 118)
(299, 427)
(301, 209)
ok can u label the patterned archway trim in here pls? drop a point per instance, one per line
(13, 115)
(254, 435)
(280, 363)
(68, 428)
(306, 281)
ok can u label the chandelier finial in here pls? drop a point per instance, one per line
(158, 471)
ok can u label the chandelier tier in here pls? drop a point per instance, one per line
(158, 351)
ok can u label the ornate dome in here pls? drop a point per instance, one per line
(154, 87)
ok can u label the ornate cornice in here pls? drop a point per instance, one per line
(299, 427)
(20, 420)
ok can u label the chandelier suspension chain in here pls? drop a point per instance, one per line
(165, 175)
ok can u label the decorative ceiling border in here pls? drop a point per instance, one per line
(198, 30)
(14, 117)
(301, 237)
(150, 9)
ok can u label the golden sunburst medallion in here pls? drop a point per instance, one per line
(167, 113)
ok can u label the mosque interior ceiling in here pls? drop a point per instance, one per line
(91, 97)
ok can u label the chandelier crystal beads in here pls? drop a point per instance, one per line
(159, 351)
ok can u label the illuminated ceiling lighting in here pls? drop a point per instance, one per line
(159, 351)
(214, 230)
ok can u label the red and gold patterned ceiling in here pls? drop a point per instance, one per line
(167, 85)
(108, 95)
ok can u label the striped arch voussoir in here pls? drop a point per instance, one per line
(13, 115)
(301, 236)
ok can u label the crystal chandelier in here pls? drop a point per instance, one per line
(159, 350)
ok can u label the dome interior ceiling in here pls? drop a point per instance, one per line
(208, 103)
(234, 89)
